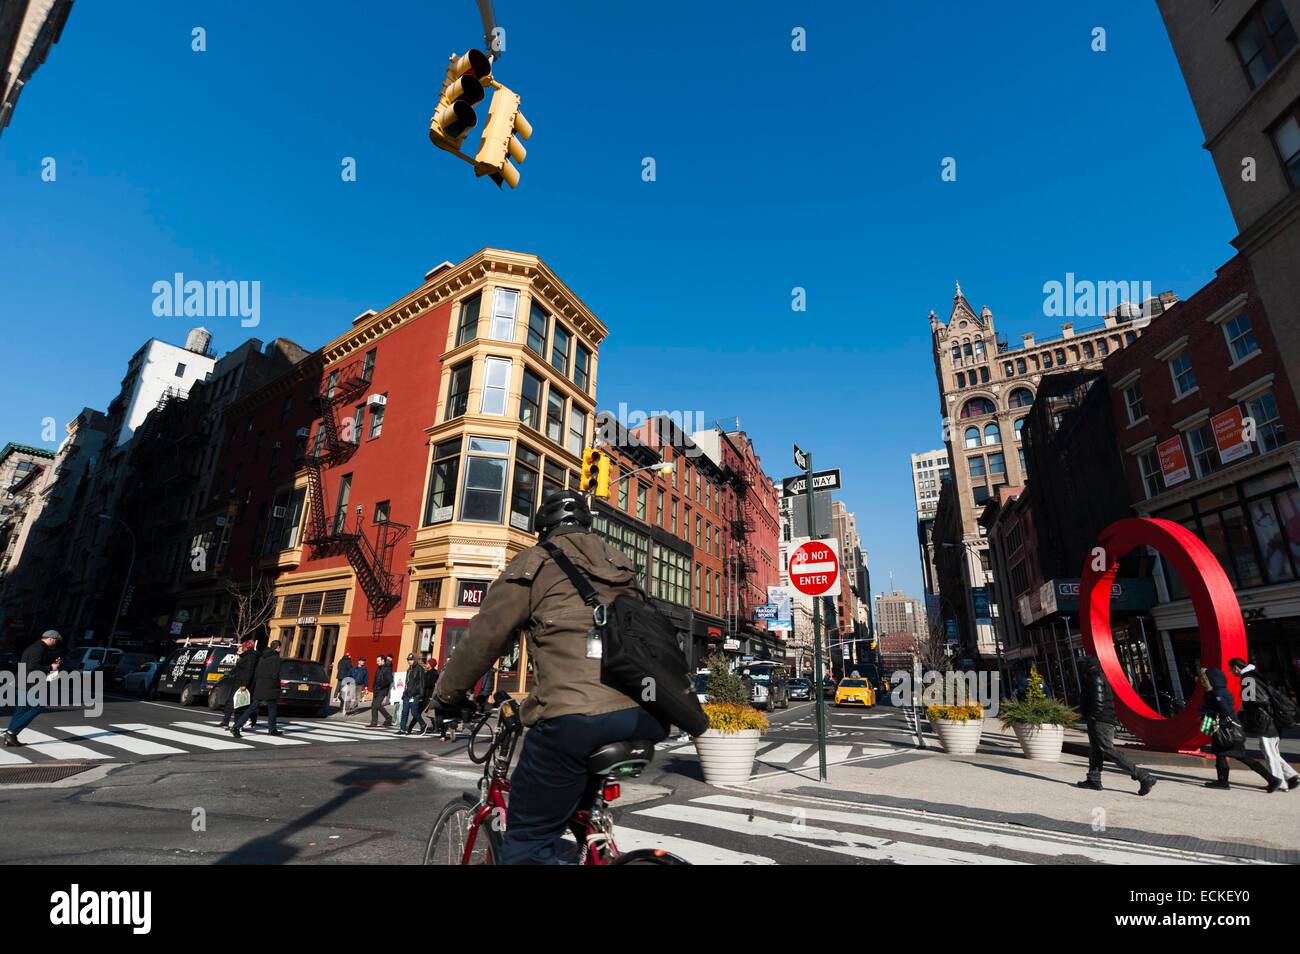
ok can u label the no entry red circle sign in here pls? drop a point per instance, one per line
(815, 568)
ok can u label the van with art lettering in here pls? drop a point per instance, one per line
(194, 668)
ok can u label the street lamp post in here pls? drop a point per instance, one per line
(126, 582)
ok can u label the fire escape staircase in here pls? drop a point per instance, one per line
(372, 562)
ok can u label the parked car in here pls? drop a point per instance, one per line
(801, 689)
(769, 686)
(194, 668)
(855, 692)
(91, 658)
(141, 680)
(116, 675)
(304, 685)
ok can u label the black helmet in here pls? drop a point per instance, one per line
(561, 507)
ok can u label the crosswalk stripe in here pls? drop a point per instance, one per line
(255, 736)
(55, 748)
(90, 733)
(783, 754)
(696, 852)
(834, 754)
(12, 758)
(306, 734)
(823, 839)
(189, 738)
(340, 729)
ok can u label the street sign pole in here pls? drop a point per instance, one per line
(817, 631)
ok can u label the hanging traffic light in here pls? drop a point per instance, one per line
(595, 472)
(462, 88)
(502, 132)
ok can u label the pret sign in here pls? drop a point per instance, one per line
(814, 567)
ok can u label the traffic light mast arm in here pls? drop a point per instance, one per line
(665, 467)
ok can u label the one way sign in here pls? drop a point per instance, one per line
(822, 480)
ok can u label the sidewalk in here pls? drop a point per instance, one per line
(1000, 784)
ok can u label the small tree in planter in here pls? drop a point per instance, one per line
(1039, 722)
(959, 724)
(727, 748)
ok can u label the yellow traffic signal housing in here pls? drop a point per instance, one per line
(602, 476)
(462, 88)
(588, 477)
(595, 472)
(502, 132)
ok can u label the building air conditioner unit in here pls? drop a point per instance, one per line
(377, 400)
(278, 512)
(302, 432)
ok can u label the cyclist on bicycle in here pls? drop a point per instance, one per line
(570, 712)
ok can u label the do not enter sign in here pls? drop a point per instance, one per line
(815, 568)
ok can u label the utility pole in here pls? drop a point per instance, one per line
(803, 460)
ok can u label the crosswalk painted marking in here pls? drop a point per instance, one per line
(12, 758)
(783, 754)
(850, 843)
(254, 736)
(55, 748)
(696, 852)
(90, 733)
(313, 736)
(189, 738)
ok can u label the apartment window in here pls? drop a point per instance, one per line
(537, 322)
(458, 390)
(577, 429)
(1241, 337)
(622, 495)
(980, 494)
(485, 480)
(659, 508)
(530, 401)
(341, 507)
(582, 367)
(376, 420)
(505, 304)
(428, 594)
(956, 353)
(1087, 351)
(552, 478)
(976, 465)
(640, 501)
(467, 326)
(673, 516)
(1020, 427)
(1060, 356)
(285, 408)
(1047, 359)
(1021, 367)
(992, 434)
(523, 494)
(555, 416)
(1180, 366)
(180, 370)
(1133, 402)
(383, 509)
(1019, 579)
(961, 379)
(699, 531)
(442, 482)
(1205, 454)
(972, 437)
(358, 422)
(1153, 480)
(560, 349)
(997, 464)
(708, 538)
(984, 375)
(1268, 422)
(1263, 39)
(368, 365)
(1286, 136)
(496, 384)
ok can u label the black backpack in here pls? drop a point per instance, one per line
(1284, 710)
(640, 656)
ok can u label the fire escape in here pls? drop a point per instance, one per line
(372, 562)
(742, 562)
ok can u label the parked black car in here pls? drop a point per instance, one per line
(801, 689)
(304, 685)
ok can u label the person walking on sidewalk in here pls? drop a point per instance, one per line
(342, 671)
(266, 688)
(1266, 710)
(379, 702)
(361, 678)
(1228, 737)
(430, 680)
(41, 656)
(413, 697)
(1098, 706)
(241, 677)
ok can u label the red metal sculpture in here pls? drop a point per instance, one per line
(1223, 633)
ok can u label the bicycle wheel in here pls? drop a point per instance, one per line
(451, 831)
(649, 856)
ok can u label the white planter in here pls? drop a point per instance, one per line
(727, 757)
(1041, 742)
(959, 738)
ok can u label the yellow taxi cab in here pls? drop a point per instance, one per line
(855, 692)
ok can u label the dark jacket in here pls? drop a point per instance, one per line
(361, 676)
(1097, 704)
(534, 595)
(1219, 700)
(430, 680)
(266, 679)
(383, 679)
(344, 669)
(37, 657)
(1257, 712)
(241, 677)
(414, 686)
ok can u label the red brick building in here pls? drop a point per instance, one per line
(1184, 396)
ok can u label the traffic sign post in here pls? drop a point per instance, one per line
(805, 460)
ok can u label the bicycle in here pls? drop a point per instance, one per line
(468, 830)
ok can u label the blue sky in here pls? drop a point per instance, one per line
(775, 169)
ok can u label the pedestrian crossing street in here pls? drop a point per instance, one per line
(738, 829)
(122, 740)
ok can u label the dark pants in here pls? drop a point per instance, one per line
(230, 711)
(22, 718)
(411, 715)
(1101, 746)
(551, 780)
(1222, 768)
(377, 708)
(250, 712)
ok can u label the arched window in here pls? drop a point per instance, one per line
(977, 407)
(965, 349)
(1020, 397)
(1021, 367)
(956, 352)
(984, 375)
(979, 347)
(992, 434)
(972, 436)
(961, 379)
(1020, 426)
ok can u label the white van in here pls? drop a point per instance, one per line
(93, 657)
